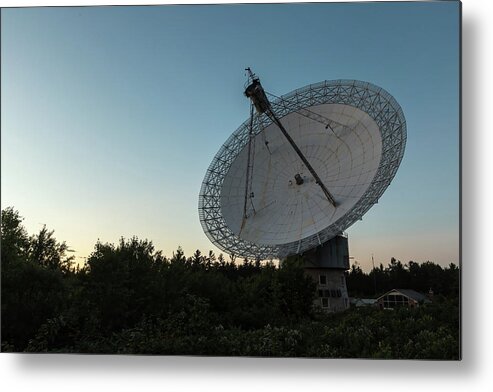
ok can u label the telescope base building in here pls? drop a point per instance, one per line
(327, 265)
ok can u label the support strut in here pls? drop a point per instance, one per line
(256, 93)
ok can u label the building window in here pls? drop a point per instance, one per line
(322, 279)
(325, 302)
(320, 293)
(394, 300)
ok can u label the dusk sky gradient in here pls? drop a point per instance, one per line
(111, 115)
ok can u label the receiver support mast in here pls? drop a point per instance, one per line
(256, 93)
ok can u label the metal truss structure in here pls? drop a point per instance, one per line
(371, 99)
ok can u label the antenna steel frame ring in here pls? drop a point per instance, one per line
(371, 99)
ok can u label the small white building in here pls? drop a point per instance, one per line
(401, 297)
(362, 302)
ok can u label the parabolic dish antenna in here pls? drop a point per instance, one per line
(302, 169)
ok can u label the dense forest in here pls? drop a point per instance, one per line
(420, 277)
(129, 298)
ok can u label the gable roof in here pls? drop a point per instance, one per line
(418, 297)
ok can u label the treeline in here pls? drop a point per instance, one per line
(129, 298)
(420, 277)
(49, 304)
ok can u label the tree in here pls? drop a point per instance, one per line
(296, 288)
(46, 251)
(31, 292)
(357, 281)
(15, 241)
(122, 284)
(129, 298)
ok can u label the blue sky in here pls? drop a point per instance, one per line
(111, 115)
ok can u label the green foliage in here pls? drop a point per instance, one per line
(15, 241)
(31, 292)
(297, 289)
(46, 251)
(130, 299)
(419, 277)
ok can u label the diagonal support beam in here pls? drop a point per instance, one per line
(302, 157)
(256, 93)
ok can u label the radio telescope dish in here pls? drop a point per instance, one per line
(302, 169)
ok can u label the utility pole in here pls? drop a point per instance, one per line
(374, 275)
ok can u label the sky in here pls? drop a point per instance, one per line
(110, 116)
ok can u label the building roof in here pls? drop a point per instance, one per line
(418, 297)
(362, 301)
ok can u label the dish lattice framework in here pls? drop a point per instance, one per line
(371, 99)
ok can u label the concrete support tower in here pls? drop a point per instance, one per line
(327, 264)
